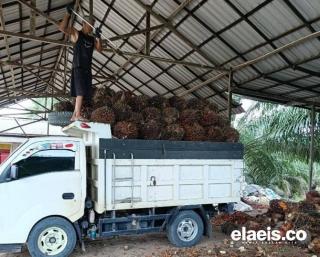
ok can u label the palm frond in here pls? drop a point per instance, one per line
(277, 140)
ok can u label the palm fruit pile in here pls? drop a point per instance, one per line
(157, 117)
(283, 216)
(63, 106)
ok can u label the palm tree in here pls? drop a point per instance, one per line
(276, 140)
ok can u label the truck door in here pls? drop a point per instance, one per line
(48, 183)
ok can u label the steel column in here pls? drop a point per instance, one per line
(230, 96)
(311, 150)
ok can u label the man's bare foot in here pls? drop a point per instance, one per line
(80, 118)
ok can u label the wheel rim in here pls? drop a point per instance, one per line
(52, 241)
(187, 230)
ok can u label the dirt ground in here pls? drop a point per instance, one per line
(158, 245)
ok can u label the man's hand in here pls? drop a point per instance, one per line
(69, 8)
(98, 43)
(98, 32)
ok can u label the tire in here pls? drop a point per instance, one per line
(61, 119)
(59, 230)
(188, 222)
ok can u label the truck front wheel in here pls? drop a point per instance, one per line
(186, 229)
(52, 236)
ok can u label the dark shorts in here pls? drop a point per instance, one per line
(81, 83)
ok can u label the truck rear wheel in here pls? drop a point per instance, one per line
(52, 236)
(186, 229)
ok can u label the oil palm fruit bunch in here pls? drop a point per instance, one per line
(103, 115)
(125, 130)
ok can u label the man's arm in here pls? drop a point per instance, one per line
(98, 45)
(98, 42)
(63, 26)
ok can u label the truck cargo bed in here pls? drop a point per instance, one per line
(132, 174)
(159, 173)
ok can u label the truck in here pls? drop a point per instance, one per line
(57, 191)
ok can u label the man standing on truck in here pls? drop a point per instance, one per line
(84, 44)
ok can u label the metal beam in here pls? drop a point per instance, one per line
(2, 26)
(139, 32)
(20, 127)
(25, 41)
(42, 44)
(65, 70)
(37, 11)
(21, 118)
(278, 70)
(165, 70)
(135, 55)
(42, 80)
(34, 38)
(148, 32)
(174, 30)
(32, 18)
(206, 82)
(233, 24)
(21, 44)
(33, 54)
(5, 130)
(291, 101)
(27, 96)
(91, 10)
(162, 59)
(255, 60)
(36, 67)
(44, 107)
(14, 114)
(135, 64)
(171, 17)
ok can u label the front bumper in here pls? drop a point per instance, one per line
(11, 248)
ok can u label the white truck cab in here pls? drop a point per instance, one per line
(55, 191)
(42, 178)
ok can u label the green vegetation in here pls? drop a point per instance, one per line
(276, 140)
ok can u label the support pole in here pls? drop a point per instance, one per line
(65, 70)
(148, 33)
(230, 96)
(311, 150)
(45, 116)
(91, 10)
(51, 108)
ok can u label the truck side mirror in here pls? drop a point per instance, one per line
(14, 174)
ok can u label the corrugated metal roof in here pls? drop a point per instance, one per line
(220, 32)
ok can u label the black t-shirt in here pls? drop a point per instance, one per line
(82, 51)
